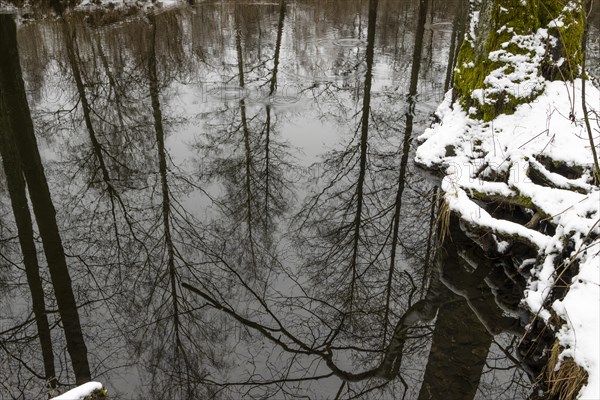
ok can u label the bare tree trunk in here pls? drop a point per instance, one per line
(39, 192)
(461, 341)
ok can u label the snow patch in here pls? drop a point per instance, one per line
(80, 392)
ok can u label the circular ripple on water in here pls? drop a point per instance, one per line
(284, 101)
(228, 92)
(332, 74)
(349, 42)
(281, 102)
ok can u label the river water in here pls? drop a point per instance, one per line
(239, 211)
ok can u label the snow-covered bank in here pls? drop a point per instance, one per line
(83, 391)
(538, 158)
(93, 4)
(27, 8)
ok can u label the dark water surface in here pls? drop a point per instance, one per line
(230, 189)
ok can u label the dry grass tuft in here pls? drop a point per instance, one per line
(566, 382)
(443, 220)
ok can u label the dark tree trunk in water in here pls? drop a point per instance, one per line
(166, 199)
(364, 138)
(20, 117)
(460, 342)
(18, 198)
(458, 352)
(468, 318)
(414, 80)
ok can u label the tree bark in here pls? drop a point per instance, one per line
(505, 35)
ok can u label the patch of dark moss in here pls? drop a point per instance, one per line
(450, 152)
(498, 23)
(539, 178)
(99, 394)
(561, 168)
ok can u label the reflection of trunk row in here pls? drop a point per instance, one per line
(158, 245)
(21, 157)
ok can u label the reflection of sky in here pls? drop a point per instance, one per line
(315, 109)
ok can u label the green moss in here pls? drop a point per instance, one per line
(570, 38)
(100, 394)
(516, 200)
(499, 22)
(569, 171)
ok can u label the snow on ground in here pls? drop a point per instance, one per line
(549, 130)
(80, 392)
(93, 4)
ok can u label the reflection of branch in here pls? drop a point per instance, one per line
(264, 330)
(166, 205)
(388, 369)
(97, 148)
(21, 362)
(16, 328)
(270, 382)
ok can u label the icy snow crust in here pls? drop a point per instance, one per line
(469, 151)
(80, 392)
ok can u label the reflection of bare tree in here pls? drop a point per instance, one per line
(350, 310)
(19, 115)
(166, 196)
(16, 187)
(252, 169)
(100, 153)
(170, 338)
(346, 221)
(414, 78)
(106, 161)
(339, 215)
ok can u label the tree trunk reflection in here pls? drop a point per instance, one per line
(45, 214)
(11, 161)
